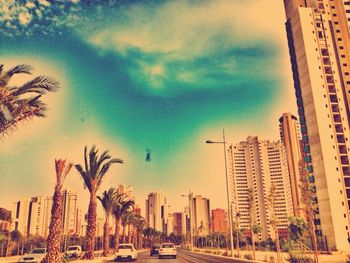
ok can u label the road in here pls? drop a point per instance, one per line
(182, 257)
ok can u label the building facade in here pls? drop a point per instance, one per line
(319, 47)
(200, 215)
(291, 139)
(157, 212)
(219, 221)
(255, 166)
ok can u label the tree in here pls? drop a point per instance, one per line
(5, 214)
(122, 204)
(108, 200)
(95, 168)
(306, 200)
(297, 227)
(16, 104)
(250, 202)
(55, 228)
(271, 199)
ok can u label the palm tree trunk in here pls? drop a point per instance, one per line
(55, 229)
(278, 248)
(129, 233)
(123, 234)
(253, 243)
(106, 237)
(91, 227)
(116, 234)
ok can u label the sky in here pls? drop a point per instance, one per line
(144, 77)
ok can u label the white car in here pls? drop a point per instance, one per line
(73, 252)
(167, 249)
(36, 255)
(126, 251)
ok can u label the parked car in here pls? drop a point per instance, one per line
(35, 255)
(155, 249)
(126, 251)
(167, 249)
(73, 252)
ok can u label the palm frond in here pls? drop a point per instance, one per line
(39, 85)
(85, 176)
(23, 68)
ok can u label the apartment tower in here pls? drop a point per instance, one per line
(291, 139)
(256, 165)
(200, 215)
(219, 221)
(157, 211)
(319, 47)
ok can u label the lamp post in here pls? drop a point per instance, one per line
(227, 189)
(190, 195)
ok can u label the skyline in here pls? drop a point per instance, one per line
(131, 114)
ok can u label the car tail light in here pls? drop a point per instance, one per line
(160, 249)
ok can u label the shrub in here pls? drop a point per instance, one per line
(248, 256)
(299, 257)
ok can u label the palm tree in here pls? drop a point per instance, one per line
(272, 198)
(55, 229)
(95, 168)
(125, 221)
(107, 199)
(122, 204)
(16, 104)
(251, 210)
(138, 223)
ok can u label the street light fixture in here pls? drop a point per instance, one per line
(227, 188)
(190, 211)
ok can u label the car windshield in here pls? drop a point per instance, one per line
(72, 248)
(167, 246)
(125, 247)
(38, 251)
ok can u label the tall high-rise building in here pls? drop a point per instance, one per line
(69, 216)
(179, 224)
(219, 220)
(157, 211)
(33, 215)
(20, 216)
(319, 47)
(291, 139)
(256, 165)
(200, 215)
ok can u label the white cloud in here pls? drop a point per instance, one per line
(184, 30)
(24, 18)
(30, 5)
(44, 3)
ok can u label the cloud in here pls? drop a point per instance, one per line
(24, 18)
(181, 44)
(187, 30)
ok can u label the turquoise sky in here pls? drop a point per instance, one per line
(155, 77)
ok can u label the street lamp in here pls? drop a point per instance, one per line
(227, 189)
(189, 207)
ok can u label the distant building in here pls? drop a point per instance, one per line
(219, 220)
(21, 215)
(158, 214)
(200, 215)
(257, 164)
(127, 190)
(291, 139)
(33, 215)
(179, 224)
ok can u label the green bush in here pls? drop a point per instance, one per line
(299, 257)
